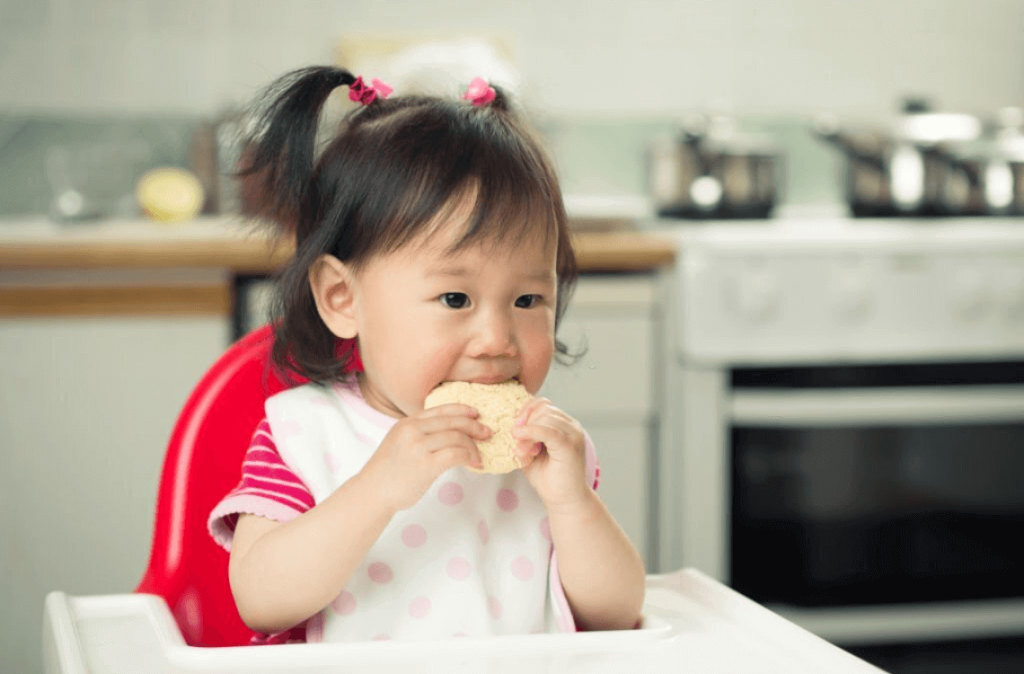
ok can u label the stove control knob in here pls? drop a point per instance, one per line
(755, 294)
(972, 297)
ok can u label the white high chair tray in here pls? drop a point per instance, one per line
(692, 624)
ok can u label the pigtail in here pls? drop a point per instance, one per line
(278, 158)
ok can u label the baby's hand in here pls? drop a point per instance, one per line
(556, 440)
(421, 447)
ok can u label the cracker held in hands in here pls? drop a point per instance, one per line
(498, 405)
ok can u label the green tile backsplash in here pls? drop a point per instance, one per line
(131, 146)
(594, 156)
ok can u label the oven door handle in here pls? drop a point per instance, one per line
(877, 406)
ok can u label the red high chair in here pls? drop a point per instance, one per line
(203, 463)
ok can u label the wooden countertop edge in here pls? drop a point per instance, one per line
(596, 251)
(623, 251)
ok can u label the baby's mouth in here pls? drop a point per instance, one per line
(494, 380)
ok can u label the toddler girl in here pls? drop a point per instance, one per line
(431, 246)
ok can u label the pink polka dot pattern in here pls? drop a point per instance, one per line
(522, 568)
(414, 535)
(458, 568)
(381, 637)
(545, 529)
(460, 634)
(508, 500)
(344, 603)
(380, 572)
(419, 607)
(494, 607)
(450, 493)
(485, 533)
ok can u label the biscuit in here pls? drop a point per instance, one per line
(498, 405)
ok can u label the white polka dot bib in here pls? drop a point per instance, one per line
(472, 558)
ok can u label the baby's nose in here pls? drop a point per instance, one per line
(494, 336)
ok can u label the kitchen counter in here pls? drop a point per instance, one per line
(141, 267)
(238, 245)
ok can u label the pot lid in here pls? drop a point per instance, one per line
(928, 128)
(748, 144)
(721, 134)
(1009, 149)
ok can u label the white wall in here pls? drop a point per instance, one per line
(593, 58)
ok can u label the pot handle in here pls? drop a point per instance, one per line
(825, 128)
(705, 190)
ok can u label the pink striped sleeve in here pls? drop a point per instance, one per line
(268, 488)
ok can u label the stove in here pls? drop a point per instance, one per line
(844, 411)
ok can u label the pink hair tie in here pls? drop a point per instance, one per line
(479, 92)
(360, 92)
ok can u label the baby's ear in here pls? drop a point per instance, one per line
(332, 284)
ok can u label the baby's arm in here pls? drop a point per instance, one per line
(283, 573)
(601, 571)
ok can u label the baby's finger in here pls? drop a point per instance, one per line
(457, 454)
(467, 425)
(529, 409)
(528, 449)
(449, 409)
(550, 435)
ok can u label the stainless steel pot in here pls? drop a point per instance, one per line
(987, 176)
(711, 170)
(979, 180)
(927, 163)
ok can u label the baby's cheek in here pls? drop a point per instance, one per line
(533, 375)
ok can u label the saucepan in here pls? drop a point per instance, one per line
(927, 163)
(710, 169)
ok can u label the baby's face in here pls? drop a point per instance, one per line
(483, 314)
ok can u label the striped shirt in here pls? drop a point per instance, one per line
(268, 488)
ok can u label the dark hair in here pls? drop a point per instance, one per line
(393, 166)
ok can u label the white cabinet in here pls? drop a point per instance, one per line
(86, 409)
(612, 389)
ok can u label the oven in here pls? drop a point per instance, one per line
(877, 484)
(844, 423)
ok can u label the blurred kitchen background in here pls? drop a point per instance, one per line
(602, 80)
(643, 105)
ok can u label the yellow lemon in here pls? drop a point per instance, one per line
(170, 194)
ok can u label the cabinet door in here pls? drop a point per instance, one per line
(610, 390)
(613, 377)
(623, 450)
(86, 410)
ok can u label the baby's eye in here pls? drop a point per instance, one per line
(455, 300)
(527, 301)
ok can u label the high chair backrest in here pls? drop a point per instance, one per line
(203, 463)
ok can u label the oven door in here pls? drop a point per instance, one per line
(876, 494)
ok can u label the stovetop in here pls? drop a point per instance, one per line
(813, 287)
(829, 228)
